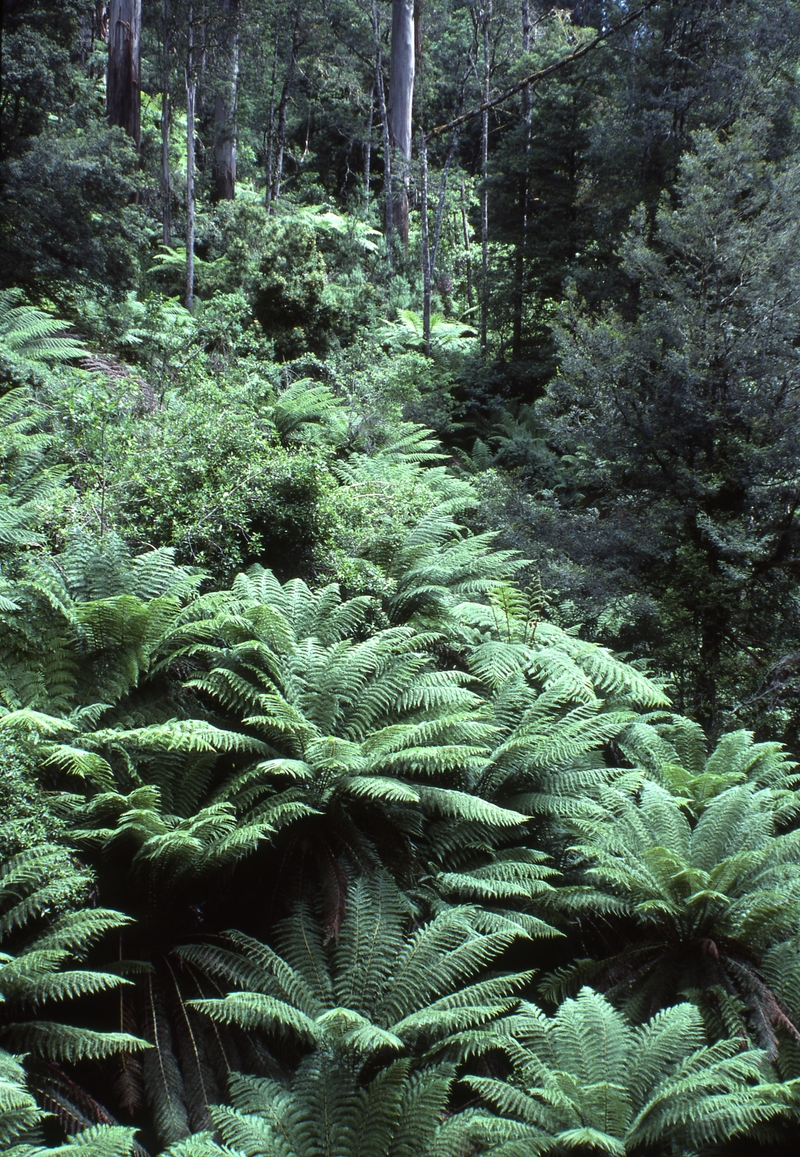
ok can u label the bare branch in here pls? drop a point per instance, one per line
(534, 78)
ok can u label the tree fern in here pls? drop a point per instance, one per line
(36, 886)
(378, 990)
(706, 901)
(585, 1079)
(672, 749)
(168, 851)
(439, 565)
(32, 335)
(99, 569)
(47, 928)
(96, 1141)
(326, 1112)
(27, 482)
(381, 497)
(301, 405)
(508, 635)
(445, 336)
(355, 725)
(19, 1112)
(62, 650)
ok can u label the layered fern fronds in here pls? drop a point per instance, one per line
(19, 1112)
(673, 750)
(46, 931)
(381, 990)
(325, 1111)
(27, 483)
(709, 899)
(32, 334)
(586, 1079)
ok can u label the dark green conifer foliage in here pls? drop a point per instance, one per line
(682, 418)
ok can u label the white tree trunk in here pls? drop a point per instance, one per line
(399, 110)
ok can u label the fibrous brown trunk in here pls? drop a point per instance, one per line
(399, 110)
(123, 97)
(225, 131)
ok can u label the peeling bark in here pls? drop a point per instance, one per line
(123, 96)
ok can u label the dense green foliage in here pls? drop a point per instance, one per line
(398, 644)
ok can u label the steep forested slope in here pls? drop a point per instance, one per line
(398, 557)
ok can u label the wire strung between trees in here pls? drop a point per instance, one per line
(533, 78)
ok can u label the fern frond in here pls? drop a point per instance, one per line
(586, 1077)
(33, 335)
(19, 1112)
(63, 1042)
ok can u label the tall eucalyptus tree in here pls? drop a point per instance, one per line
(123, 86)
(401, 97)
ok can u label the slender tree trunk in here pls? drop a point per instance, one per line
(486, 17)
(85, 42)
(526, 47)
(519, 256)
(99, 32)
(437, 227)
(426, 249)
(191, 97)
(429, 250)
(101, 21)
(225, 130)
(385, 137)
(368, 147)
(387, 165)
(401, 97)
(284, 102)
(269, 164)
(467, 248)
(451, 152)
(166, 114)
(123, 96)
